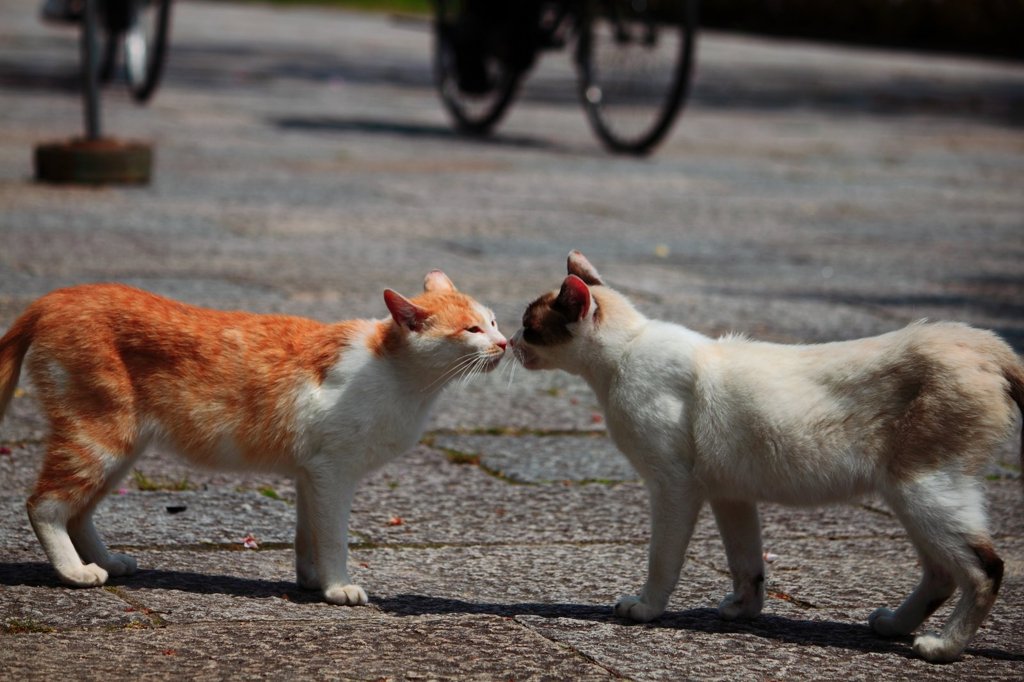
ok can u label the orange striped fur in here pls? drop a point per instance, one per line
(116, 367)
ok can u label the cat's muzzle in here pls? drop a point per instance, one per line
(526, 357)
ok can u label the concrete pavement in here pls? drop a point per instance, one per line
(304, 164)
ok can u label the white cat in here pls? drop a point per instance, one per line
(117, 368)
(911, 415)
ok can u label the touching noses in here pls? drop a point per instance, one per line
(498, 339)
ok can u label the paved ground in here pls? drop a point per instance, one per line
(303, 164)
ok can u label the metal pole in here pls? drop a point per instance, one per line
(90, 65)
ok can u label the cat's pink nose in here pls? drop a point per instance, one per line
(501, 344)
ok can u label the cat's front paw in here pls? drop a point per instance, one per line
(346, 595)
(884, 623)
(734, 607)
(635, 608)
(120, 564)
(89, 575)
(935, 649)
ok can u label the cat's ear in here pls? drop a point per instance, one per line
(437, 281)
(579, 265)
(404, 312)
(574, 298)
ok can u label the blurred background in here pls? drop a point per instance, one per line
(808, 189)
(790, 170)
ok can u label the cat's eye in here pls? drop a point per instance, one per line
(474, 330)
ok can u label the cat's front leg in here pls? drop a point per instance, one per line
(305, 552)
(741, 534)
(674, 510)
(328, 503)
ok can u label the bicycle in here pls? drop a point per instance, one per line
(141, 28)
(633, 58)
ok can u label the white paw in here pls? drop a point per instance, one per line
(120, 564)
(735, 608)
(635, 608)
(883, 622)
(346, 595)
(935, 649)
(89, 575)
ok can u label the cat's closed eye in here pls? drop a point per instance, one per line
(474, 330)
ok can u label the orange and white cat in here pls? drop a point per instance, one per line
(117, 368)
(911, 415)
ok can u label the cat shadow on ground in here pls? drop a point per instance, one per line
(851, 636)
(40, 574)
(845, 635)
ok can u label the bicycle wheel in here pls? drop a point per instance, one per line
(145, 46)
(112, 24)
(634, 59)
(475, 86)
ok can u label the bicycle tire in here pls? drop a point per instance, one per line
(625, 30)
(145, 47)
(473, 114)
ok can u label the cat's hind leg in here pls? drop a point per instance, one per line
(90, 402)
(86, 538)
(74, 477)
(741, 534)
(91, 548)
(944, 515)
(936, 587)
(81, 528)
(49, 517)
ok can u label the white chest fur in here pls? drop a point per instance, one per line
(367, 408)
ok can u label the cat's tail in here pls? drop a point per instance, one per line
(13, 347)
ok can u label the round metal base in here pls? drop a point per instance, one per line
(104, 161)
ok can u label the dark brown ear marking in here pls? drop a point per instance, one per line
(579, 265)
(546, 320)
(543, 325)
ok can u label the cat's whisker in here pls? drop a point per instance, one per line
(510, 370)
(461, 371)
(471, 370)
(453, 371)
(476, 369)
